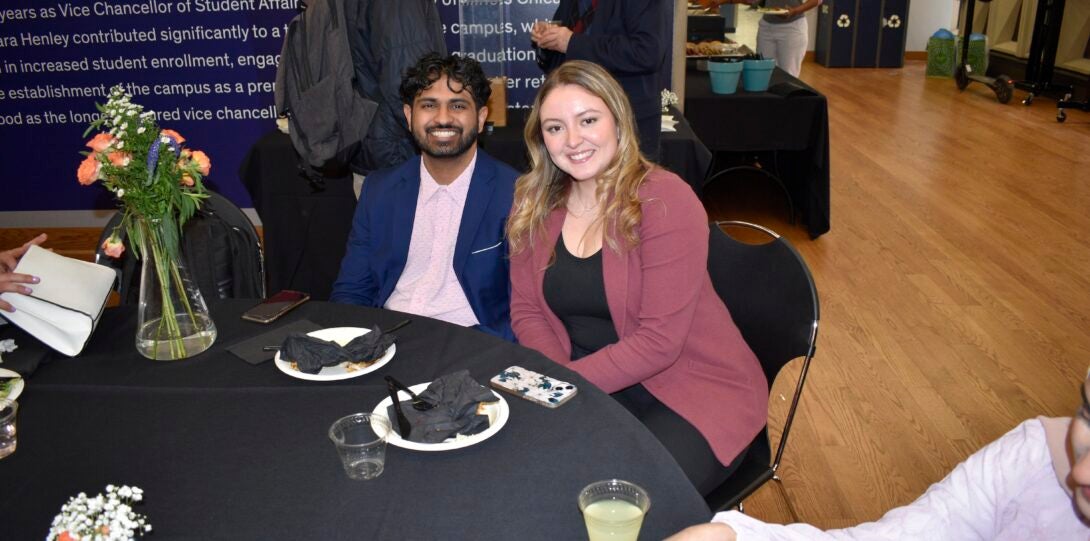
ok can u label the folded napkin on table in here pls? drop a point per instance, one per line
(456, 397)
(252, 350)
(311, 354)
(669, 123)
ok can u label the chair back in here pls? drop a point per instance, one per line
(769, 292)
(221, 249)
(772, 299)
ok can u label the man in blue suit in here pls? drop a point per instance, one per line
(428, 235)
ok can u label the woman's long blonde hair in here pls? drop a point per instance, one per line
(546, 186)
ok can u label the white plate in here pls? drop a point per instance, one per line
(394, 438)
(17, 389)
(342, 336)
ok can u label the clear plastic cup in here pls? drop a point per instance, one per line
(8, 440)
(613, 510)
(360, 439)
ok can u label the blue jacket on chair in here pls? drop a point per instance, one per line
(378, 245)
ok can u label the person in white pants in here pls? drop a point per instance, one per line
(781, 36)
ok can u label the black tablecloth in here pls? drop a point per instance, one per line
(228, 450)
(796, 126)
(305, 230)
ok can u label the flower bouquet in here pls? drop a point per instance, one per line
(100, 518)
(158, 186)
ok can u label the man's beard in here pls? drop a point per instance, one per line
(459, 146)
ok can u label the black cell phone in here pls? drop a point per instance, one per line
(275, 306)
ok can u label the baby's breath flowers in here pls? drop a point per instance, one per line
(668, 99)
(106, 517)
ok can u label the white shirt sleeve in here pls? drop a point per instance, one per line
(970, 503)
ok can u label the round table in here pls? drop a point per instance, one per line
(229, 450)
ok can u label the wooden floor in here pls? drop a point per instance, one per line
(954, 287)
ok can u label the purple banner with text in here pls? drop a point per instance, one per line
(206, 67)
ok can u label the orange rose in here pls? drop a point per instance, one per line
(88, 170)
(187, 180)
(120, 159)
(113, 247)
(204, 165)
(65, 536)
(177, 136)
(100, 142)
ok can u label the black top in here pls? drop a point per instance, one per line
(576, 292)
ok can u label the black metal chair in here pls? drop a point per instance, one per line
(772, 299)
(241, 260)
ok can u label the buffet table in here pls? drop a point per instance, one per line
(792, 119)
(228, 450)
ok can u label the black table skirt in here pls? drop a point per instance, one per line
(795, 126)
(228, 450)
(304, 229)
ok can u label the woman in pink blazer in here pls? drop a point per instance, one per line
(609, 278)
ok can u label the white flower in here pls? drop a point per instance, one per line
(86, 518)
(121, 192)
(141, 129)
(668, 99)
(7, 346)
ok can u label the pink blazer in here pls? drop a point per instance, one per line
(676, 336)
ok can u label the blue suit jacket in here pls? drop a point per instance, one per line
(382, 227)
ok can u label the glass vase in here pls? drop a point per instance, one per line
(172, 319)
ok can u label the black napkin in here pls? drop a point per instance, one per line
(370, 346)
(455, 397)
(251, 349)
(311, 354)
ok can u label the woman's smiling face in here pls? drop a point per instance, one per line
(579, 132)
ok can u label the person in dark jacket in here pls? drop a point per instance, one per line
(627, 37)
(387, 37)
(428, 235)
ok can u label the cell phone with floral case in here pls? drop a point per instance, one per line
(535, 387)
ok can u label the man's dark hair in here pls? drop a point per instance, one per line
(463, 70)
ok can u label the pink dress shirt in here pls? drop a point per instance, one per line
(428, 285)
